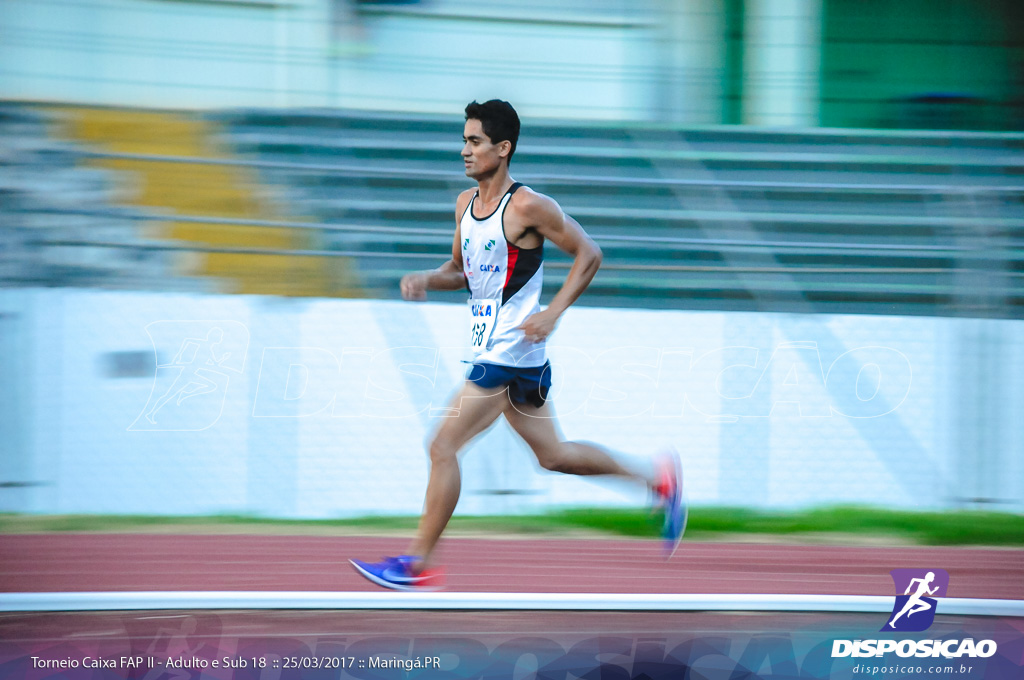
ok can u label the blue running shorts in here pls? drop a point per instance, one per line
(528, 385)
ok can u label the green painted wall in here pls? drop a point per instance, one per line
(732, 110)
(880, 58)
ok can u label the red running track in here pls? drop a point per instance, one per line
(144, 562)
(479, 641)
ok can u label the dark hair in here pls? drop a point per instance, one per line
(499, 120)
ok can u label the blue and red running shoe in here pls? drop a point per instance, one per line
(671, 498)
(398, 573)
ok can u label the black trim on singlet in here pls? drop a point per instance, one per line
(511, 190)
(528, 261)
(468, 207)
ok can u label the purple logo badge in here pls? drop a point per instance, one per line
(914, 610)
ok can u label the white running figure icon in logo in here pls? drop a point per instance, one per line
(915, 603)
(193, 380)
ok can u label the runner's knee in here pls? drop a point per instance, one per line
(551, 458)
(555, 465)
(441, 451)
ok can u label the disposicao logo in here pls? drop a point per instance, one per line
(914, 611)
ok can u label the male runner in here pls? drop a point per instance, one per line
(497, 253)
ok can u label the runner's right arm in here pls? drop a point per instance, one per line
(449, 276)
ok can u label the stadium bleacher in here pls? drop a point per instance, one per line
(742, 219)
(62, 224)
(718, 218)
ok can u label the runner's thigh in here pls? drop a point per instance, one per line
(472, 409)
(537, 426)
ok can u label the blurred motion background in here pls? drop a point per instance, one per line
(812, 213)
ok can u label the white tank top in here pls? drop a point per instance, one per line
(498, 270)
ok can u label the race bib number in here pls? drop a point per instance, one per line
(483, 315)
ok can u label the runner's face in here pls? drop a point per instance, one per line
(480, 155)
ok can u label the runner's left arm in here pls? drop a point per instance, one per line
(546, 217)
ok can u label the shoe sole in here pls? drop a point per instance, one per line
(391, 585)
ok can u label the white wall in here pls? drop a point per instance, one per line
(322, 407)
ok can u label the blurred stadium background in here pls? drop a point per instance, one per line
(812, 214)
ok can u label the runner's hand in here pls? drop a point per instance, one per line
(414, 286)
(540, 325)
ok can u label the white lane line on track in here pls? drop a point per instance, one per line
(108, 601)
